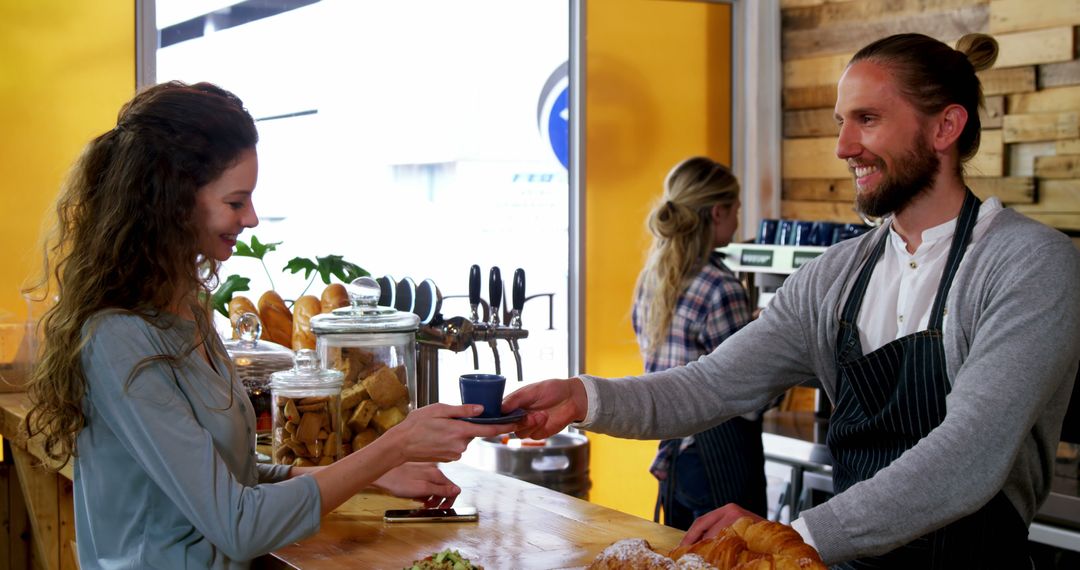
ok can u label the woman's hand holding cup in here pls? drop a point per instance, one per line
(434, 432)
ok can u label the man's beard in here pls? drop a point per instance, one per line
(909, 176)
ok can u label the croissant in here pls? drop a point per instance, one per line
(774, 538)
(745, 545)
(749, 545)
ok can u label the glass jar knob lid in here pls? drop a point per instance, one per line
(306, 362)
(306, 373)
(248, 328)
(363, 291)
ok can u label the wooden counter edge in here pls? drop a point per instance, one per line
(47, 494)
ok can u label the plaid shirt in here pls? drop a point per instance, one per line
(712, 308)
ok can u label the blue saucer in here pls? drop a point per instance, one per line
(512, 417)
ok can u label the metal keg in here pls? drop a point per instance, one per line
(560, 464)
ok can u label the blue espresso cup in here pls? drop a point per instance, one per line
(483, 389)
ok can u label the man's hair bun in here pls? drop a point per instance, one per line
(980, 49)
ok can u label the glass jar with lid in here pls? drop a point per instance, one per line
(255, 360)
(306, 413)
(375, 349)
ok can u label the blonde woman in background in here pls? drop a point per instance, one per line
(686, 303)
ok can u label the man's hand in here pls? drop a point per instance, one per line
(551, 405)
(421, 481)
(711, 523)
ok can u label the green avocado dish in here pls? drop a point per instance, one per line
(445, 560)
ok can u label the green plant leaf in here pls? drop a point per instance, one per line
(337, 266)
(327, 267)
(255, 249)
(298, 264)
(233, 284)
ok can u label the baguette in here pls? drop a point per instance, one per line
(334, 296)
(276, 319)
(304, 308)
(237, 307)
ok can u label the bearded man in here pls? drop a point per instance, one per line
(947, 339)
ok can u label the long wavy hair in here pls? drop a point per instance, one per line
(932, 75)
(682, 229)
(124, 238)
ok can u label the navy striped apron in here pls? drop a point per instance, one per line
(890, 399)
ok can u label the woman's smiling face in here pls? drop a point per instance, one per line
(223, 208)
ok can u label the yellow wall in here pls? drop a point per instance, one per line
(658, 89)
(66, 66)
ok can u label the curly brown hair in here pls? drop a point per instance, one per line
(124, 238)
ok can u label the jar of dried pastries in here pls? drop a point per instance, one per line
(375, 348)
(306, 413)
(255, 360)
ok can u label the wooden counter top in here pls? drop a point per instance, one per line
(522, 526)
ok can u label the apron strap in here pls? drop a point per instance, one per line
(858, 290)
(847, 337)
(965, 224)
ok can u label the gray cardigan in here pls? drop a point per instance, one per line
(1012, 343)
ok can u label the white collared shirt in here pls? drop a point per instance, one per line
(902, 288)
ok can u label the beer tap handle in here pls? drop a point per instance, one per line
(495, 299)
(518, 298)
(495, 291)
(474, 291)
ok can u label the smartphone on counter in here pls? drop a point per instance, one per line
(456, 514)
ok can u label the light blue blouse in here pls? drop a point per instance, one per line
(165, 475)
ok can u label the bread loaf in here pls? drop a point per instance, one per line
(334, 296)
(237, 307)
(304, 308)
(276, 319)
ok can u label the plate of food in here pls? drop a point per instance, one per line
(446, 560)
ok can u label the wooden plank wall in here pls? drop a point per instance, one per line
(1030, 151)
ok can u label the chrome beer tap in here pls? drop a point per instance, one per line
(459, 333)
(492, 331)
(518, 298)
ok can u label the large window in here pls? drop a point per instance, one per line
(414, 138)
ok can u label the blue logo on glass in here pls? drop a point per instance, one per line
(553, 114)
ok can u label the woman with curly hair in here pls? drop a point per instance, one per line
(136, 388)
